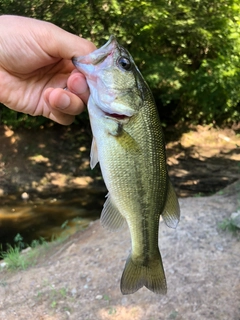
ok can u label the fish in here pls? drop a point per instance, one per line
(128, 143)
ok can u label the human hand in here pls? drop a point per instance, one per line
(36, 66)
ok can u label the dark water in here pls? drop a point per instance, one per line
(48, 217)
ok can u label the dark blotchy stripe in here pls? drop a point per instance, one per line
(145, 240)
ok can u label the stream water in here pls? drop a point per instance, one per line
(48, 217)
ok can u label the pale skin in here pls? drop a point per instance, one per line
(36, 66)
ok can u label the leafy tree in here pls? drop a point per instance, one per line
(187, 50)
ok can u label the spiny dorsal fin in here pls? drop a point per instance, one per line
(93, 154)
(171, 211)
(111, 218)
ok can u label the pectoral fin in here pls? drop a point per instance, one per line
(93, 154)
(111, 218)
(129, 143)
(171, 212)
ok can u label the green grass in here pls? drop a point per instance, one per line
(227, 225)
(56, 297)
(173, 315)
(16, 259)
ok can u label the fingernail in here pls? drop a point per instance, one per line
(64, 101)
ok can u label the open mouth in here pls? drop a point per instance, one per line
(117, 116)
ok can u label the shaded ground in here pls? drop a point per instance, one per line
(79, 279)
(204, 160)
(55, 160)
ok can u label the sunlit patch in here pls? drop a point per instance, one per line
(39, 159)
(8, 132)
(83, 181)
(121, 313)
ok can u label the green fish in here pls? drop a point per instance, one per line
(128, 142)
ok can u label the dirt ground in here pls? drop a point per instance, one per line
(79, 277)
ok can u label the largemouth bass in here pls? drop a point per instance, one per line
(129, 145)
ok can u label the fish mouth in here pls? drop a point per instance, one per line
(96, 57)
(117, 117)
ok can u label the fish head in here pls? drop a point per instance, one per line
(114, 80)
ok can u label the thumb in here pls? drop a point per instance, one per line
(62, 44)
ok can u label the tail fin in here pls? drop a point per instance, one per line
(135, 276)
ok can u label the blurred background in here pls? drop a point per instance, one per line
(189, 53)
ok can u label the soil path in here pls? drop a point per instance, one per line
(79, 279)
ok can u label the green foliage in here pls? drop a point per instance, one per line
(18, 239)
(16, 259)
(187, 50)
(65, 225)
(228, 225)
(20, 120)
(13, 258)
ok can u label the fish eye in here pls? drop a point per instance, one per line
(124, 63)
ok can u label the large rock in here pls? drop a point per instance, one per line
(235, 219)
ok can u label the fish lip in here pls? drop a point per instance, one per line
(98, 55)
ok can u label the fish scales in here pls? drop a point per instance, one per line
(129, 145)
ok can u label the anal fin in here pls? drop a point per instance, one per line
(171, 211)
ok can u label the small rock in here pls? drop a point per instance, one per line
(3, 264)
(235, 219)
(71, 248)
(25, 196)
(74, 292)
(99, 297)
(219, 247)
(26, 250)
(124, 301)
